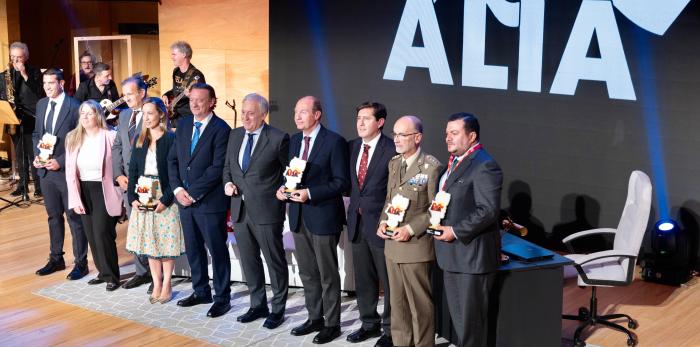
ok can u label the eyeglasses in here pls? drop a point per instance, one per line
(86, 63)
(403, 135)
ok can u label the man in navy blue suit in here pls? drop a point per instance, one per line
(57, 114)
(316, 217)
(196, 168)
(370, 154)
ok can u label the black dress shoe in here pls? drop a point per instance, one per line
(150, 289)
(17, 192)
(137, 281)
(78, 272)
(384, 341)
(327, 334)
(218, 309)
(95, 280)
(51, 267)
(253, 314)
(362, 334)
(194, 300)
(112, 286)
(274, 320)
(308, 327)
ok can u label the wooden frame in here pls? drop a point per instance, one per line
(76, 52)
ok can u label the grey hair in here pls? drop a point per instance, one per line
(183, 47)
(260, 100)
(22, 46)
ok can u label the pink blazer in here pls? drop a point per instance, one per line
(111, 193)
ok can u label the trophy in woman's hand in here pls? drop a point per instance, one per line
(146, 189)
(46, 145)
(292, 176)
(437, 212)
(395, 212)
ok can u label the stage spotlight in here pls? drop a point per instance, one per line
(669, 262)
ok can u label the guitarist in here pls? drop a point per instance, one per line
(100, 86)
(184, 75)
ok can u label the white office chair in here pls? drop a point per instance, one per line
(613, 267)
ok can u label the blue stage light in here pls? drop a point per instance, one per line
(666, 225)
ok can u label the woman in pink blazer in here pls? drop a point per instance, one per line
(91, 190)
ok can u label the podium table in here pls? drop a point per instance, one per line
(526, 302)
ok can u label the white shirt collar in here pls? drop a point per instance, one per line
(373, 142)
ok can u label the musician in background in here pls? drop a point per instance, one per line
(101, 86)
(26, 82)
(86, 71)
(184, 76)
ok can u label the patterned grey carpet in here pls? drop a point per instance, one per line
(133, 305)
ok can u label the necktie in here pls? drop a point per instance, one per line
(195, 137)
(132, 126)
(404, 167)
(49, 119)
(455, 161)
(246, 153)
(363, 166)
(307, 141)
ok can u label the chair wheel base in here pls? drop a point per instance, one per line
(579, 343)
(631, 342)
(633, 324)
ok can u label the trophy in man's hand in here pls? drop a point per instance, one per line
(146, 189)
(395, 212)
(437, 212)
(46, 145)
(292, 176)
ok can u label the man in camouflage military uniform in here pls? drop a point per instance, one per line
(409, 251)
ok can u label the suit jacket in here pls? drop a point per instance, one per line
(418, 248)
(475, 196)
(66, 120)
(121, 150)
(200, 173)
(264, 176)
(370, 198)
(111, 193)
(137, 165)
(326, 177)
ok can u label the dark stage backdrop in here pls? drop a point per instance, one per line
(572, 95)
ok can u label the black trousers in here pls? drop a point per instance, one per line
(253, 238)
(317, 256)
(468, 302)
(25, 157)
(100, 229)
(204, 231)
(53, 185)
(369, 266)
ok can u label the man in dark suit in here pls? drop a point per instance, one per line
(370, 154)
(467, 251)
(57, 114)
(256, 157)
(27, 82)
(196, 169)
(316, 216)
(127, 132)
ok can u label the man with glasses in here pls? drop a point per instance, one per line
(408, 250)
(86, 72)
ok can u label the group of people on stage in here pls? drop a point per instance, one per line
(205, 168)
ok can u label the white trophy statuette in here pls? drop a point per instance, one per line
(437, 212)
(292, 175)
(146, 190)
(46, 146)
(395, 212)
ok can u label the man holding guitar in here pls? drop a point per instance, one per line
(99, 87)
(184, 76)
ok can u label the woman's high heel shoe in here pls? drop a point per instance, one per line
(152, 300)
(165, 300)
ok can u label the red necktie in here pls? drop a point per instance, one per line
(307, 141)
(363, 166)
